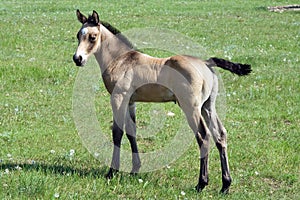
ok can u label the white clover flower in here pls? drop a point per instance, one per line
(52, 151)
(170, 114)
(182, 193)
(6, 171)
(141, 180)
(72, 152)
(56, 195)
(31, 59)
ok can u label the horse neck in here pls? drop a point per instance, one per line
(111, 47)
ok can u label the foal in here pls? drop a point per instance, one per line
(131, 76)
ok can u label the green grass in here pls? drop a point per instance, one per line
(37, 75)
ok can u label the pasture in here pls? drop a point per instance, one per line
(42, 155)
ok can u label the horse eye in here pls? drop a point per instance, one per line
(92, 38)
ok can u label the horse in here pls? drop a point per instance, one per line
(131, 76)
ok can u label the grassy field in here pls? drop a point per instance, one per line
(41, 154)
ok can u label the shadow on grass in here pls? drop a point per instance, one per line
(55, 169)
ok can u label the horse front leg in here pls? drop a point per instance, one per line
(130, 126)
(119, 104)
(117, 133)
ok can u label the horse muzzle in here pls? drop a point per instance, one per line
(79, 61)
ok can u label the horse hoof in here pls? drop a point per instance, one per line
(110, 173)
(199, 187)
(224, 190)
(133, 173)
(226, 185)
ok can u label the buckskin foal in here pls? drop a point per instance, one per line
(131, 76)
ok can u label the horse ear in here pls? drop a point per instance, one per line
(96, 17)
(81, 18)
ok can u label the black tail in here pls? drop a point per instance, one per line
(236, 68)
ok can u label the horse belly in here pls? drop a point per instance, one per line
(153, 93)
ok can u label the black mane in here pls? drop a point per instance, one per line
(117, 33)
(111, 28)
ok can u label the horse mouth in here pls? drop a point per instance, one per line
(80, 64)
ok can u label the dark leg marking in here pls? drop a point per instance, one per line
(115, 163)
(203, 141)
(226, 179)
(203, 177)
(131, 135)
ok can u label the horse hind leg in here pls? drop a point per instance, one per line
(220, 137)
(202, 135)
(221, 143)
(203, 138)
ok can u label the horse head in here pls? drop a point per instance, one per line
(89, 37)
